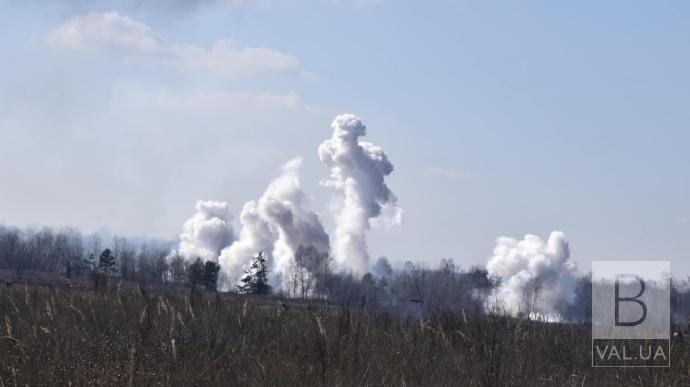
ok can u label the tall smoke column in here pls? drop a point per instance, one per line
(207, 232)
(286, 206)
(277, 224)
(255, 235)
(531, 265)
(357, 171)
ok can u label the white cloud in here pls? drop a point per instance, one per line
(138, 44)
(108, 30)
(225, 58)
(224, 101)
(168, 6)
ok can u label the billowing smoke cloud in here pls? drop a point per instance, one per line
(357, 171)
(281, 220)
(207, 232)
(286, 206)
(537, 277)
(277, 224)
(255, 235)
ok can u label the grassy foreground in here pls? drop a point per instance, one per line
(62, 337)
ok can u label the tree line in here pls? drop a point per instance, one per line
(412, 289)
(69, 252)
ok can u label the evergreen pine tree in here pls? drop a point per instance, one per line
(106, 262)
(210, 276)
(195, 274)
(254, 280)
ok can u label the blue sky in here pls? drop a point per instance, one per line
(501, 118)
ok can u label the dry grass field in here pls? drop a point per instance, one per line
(53, 336)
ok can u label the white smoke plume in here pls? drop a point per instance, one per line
(536, 276)
(287, 208)
(357, 172)
(255, 235)
(277, 224)
(207, 232)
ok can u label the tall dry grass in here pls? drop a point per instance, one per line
(62, 337)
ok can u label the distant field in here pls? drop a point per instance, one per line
(53, 336)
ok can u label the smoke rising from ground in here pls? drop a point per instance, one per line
(255, 235)
(277, 224)
(281, 220)
(287, 208)
(536, 276)
(207, 232)
(357, 172)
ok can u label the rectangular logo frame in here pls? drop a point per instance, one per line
(631, 315)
